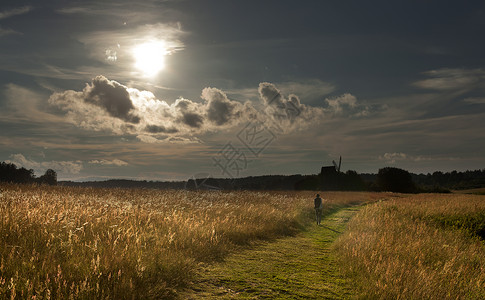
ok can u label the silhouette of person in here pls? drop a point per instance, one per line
(318, 208)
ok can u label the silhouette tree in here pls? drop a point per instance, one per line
(10, 173)
(50, 177)
(395, 180)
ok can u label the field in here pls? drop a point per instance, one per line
(418, 247)
(80, 243)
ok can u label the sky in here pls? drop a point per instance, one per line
(177, 89)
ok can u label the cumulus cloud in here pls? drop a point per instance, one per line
(452, 79)
(92, 111)
(65, 167)
(348, 106)
(220, 110)
(287, 113)
(341, 104)
(392, 158)
(115, 162)
(167, 139)
(112, 97)
(108, 105)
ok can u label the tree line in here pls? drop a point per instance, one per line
(387, 179)
(393, 180)
(11, 173)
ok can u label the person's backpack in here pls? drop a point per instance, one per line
(318, 203)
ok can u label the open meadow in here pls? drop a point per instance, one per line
(84, 243)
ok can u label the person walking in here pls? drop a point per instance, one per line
(318, 208)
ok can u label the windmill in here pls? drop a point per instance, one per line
(332, 170)
(330, 177)
(337, 167)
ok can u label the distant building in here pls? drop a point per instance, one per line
(328, 171)
(330, 178)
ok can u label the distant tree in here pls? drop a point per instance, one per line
(7, 172)
(24, 176)
(353, 181)
(10, 173)
(395, 180)
(309, 183)
(50, 177)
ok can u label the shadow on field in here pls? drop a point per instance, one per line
(326, 227)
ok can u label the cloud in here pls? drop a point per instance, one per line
(85, 110)
(475, 100)
(14, 12)
(307, 89)
(392, 158)
(452, 79)
(24, 105)
(221, 110)
(63, 167)
(341, 104)
(348, 106)
(169, 139)
(110, 106)
(115, 162)
(112, 97)
(188, 113)
(4, 32)
(10, 13)
(289, 114)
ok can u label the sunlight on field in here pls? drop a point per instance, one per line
(418, 247)
(120, 243)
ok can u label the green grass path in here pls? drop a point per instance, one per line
(299, 267)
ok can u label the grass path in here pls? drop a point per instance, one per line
(300, 267)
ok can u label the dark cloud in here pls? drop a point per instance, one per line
(159, 129)
(194, 120)
(290, 114)
(189, 113)
(270, 95)
(111, 96)
(220, 110)
(131, 111)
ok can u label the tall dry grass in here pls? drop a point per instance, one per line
(402, 249)
(81, 243)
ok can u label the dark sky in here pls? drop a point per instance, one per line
(166, 90)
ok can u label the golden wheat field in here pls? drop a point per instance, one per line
(59, 242)
(84, 243)
(425, 246)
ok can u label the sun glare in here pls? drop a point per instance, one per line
(150, 57)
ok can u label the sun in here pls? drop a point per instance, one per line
(150, 57)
